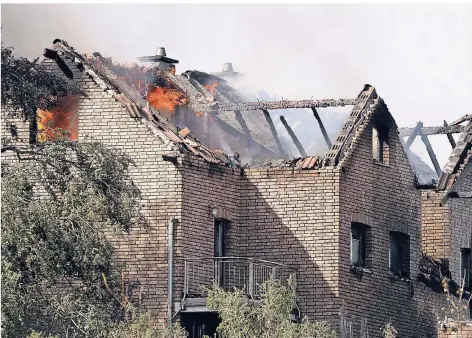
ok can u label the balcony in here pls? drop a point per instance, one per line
(247, 274)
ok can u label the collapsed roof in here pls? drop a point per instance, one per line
(239, 126)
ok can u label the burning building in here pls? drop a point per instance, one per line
(226, 199)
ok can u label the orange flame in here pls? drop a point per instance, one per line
(165, 99)
(211, 87)
(63, 117)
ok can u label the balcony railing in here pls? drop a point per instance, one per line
(247, 274)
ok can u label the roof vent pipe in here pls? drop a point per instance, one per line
(228, 68)
(161, 51)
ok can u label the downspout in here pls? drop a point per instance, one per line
(170, 272)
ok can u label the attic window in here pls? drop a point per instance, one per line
(59, 122)
(399, 254)
(380, 146)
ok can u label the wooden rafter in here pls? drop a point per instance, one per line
(323, 130)
(294, 137)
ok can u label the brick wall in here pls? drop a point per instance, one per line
(457, 330)
(143, 251)
(436, 238)
(204, 187)
(292, 217)
(460, 218)
(447, 228)
(383, 197)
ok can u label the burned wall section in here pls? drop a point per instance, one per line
(447, 228)
(384, 198)
(144, 250)
(460, 218)
(292, 217)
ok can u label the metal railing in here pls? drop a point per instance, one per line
(247, 274)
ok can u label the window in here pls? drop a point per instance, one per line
(61, 121)
(399, 254)
(465, 267)
(221, 228)
(358, 244)
(220, 238)
(380, 148)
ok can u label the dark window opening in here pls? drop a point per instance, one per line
(399, 254)
(380, 144)
(358, 244)
(219, 248)
(465, 267)
(220, 237)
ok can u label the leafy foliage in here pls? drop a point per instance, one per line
(58, 203)
(27, 85)
(143, 326)
(269, 317)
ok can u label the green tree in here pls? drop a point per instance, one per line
(59, 201)
(57, 204)
(28, 85)
(242, 317)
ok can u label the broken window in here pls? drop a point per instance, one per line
(360, 245)
(358, 234)
(399, 254)
(60, 122)
(380, 147)
(465, 267)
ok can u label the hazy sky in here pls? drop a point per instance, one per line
(419, 57)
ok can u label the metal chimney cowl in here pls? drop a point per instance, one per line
(228, 68)
(161, 51)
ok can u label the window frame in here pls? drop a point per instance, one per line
(380, 144)
(220, 233)
(361, 231)
(401, 242)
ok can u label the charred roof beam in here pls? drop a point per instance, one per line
(242, 122)
(433, 130)
(274, 134)
(237, 134)
(462, 119)
(284, 104)
(431, 154)
(449, 136)
(416, 131)
(53, 55)
(323, 130)
(294, 137)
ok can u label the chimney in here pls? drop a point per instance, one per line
(227, 72)
(228, 68)
(160, 60)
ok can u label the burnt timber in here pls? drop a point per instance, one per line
(294, 137)
(453, 129)
(323, 130)
(284, 104)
